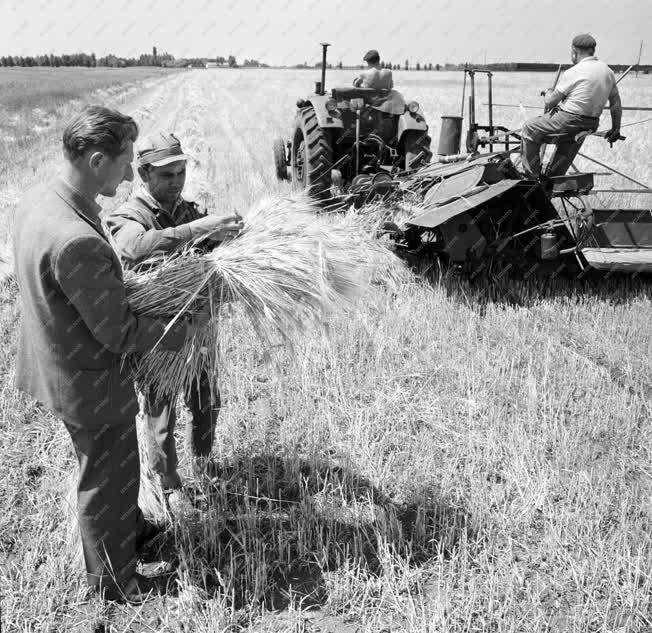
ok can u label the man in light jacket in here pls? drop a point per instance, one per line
(157, 219)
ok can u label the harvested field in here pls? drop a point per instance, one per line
(446, 461)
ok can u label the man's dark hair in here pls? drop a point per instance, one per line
(373, 58)
(98, 127)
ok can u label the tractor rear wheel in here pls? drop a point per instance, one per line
(312, 155)
(280, 160)
(417, 149)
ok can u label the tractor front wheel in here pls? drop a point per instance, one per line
(280, 159)
(311, 155)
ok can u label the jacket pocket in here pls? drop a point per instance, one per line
(94, 397)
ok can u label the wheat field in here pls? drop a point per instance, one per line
(446, 461)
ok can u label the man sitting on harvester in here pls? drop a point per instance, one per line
(572, 106)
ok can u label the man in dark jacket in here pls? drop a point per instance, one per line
(76, 323)
(156, 219)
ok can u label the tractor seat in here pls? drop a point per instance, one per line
(368, 94)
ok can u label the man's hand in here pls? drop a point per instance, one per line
(216, 228)
(613, 135)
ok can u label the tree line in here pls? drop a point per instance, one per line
(113, 61)
(84, 60)
(391, 66)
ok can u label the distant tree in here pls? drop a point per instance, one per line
(232, 61)
(407, 65)
(418, 66)
(437, 67)
(339, 65)
(154, 52)
(220, 60)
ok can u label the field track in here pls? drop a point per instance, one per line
(441, 464)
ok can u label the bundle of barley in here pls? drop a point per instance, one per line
(289, 270)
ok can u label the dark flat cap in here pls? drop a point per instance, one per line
(371, 55)
(584, 40)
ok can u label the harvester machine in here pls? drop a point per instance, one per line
(474, 207)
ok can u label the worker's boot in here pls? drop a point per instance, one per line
(136, 590)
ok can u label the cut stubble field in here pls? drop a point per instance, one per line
(441, 462)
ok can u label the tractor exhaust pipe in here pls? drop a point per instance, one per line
(322, 86)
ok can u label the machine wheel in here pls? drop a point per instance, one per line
(280, 159)
(417, 149)
(312, 155)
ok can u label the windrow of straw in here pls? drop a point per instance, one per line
(289, 270)
(6, 264)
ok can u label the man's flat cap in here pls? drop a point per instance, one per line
(372, 54)
(584, 40)
(158, 149)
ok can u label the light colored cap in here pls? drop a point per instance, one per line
(158, 149)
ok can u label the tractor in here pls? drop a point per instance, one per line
(350, 137)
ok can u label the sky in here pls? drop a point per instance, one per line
(287, 32)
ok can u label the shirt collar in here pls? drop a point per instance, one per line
(83, 205)
(590, 58)
(143, 193)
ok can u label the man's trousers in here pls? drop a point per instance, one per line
(557, 127)
(160, 421)
(107, 500)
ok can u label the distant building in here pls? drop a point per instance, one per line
(211, 65)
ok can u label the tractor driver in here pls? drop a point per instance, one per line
(374, 76)
(384, 108)
(574, 105)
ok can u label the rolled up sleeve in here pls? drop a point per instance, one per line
(86, 272)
